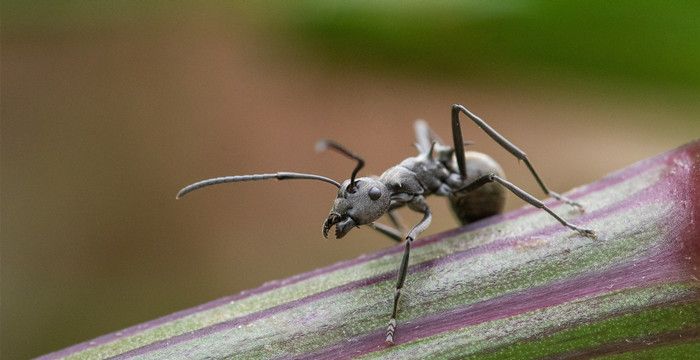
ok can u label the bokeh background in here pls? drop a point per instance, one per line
(108, 108)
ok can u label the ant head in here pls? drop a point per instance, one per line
(359, 203)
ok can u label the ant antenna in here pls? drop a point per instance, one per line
(238, 178)
(324, 144)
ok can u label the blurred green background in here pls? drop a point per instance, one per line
(108, 108)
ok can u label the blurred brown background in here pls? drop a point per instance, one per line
(108, 108)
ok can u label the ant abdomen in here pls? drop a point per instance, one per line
(489, 199)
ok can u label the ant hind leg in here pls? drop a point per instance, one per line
(501, 140)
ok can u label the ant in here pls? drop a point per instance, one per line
(473, 182)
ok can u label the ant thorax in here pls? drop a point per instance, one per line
(421, 175)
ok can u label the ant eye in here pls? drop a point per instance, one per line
(374, 193)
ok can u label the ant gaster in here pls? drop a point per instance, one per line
(473, 182)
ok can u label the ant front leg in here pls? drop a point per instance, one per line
(396, 220)
(501, 140)
(418, 205)
(394, 233)
(390, 232)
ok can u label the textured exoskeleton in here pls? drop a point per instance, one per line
(473, 182)
(433, 172)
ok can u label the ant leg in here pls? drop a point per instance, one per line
(526, 197)
(417, 229)
(392, 233)
(501, 140)
(396, 220)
